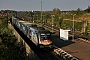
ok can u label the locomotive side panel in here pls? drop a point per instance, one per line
(34, 39)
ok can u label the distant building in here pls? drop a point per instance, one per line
(3, 14)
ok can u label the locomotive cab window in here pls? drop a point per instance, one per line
(45, 36)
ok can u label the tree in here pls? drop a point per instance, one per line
(87, 10)
(10, 50)
(84, 19)
(78, 11)
(60, 21)
(56, 11)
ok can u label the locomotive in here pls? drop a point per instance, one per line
(38, 35)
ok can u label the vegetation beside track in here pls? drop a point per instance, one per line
(9, 48)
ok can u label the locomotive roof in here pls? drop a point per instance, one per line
(21, 21)
(27, 23)
(40, 30)
(43, 31)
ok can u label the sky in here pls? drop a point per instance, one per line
(47, 5)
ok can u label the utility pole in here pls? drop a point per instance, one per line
(43, 18)
(37, 17)
(33, 18)
(52, 21)
(7, 18)
(73, 25)
(41, 14)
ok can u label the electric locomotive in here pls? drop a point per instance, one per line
(38, 35)
(41, 37)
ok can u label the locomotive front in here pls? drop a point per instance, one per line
(45, 39)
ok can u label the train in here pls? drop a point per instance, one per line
(40, 36)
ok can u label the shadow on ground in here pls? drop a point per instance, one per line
(60, 43)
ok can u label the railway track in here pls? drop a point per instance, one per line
(43, 55)
(50, 27)
(48, 55)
